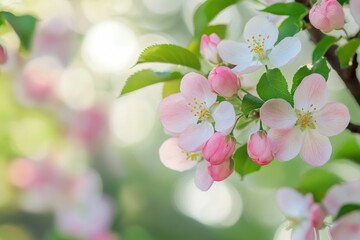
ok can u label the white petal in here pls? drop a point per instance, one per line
(235, 53)
(261, 25)
(292, 203)
(355, 10)
(224, 116)
(203, 179)
(304, 231)
(316, 149)
(347, 227)
(285, 51)
(278, 113)
(255, 65)
(195, 136)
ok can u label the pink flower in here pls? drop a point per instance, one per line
(224, 82)
(259, 149)
(3, 55)
(306, 128)
(208, 48)
(327, 15)
(218, 148)
(304, 215)
(347, 227)
(203, 179)
(222, 171)
(190, 114)
(355, 10)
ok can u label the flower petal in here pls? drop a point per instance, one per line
(285, 143)
(292, 203)
(304, 231)
(285, 51)
(277, 113)
(224, 116)
(355, 10)
(332, 119)
(203, 180)
(174, 157)
(175, 114)
(347, 227)
(255, 65)
(261, 26)
(195, 136)
(311, 94)
(195, 87)
(316, 149)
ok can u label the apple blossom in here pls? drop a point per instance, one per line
(327, 15)
(190, 114)
(306, 128)
(203, 180)
(218, 148)
(355, 10)
(3, 55)
(259, 149)
(347, 227)
(221, 171)
(260, 35)
(223, 81)
(208, 48)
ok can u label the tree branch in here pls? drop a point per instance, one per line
(353, 128)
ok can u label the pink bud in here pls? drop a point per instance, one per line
(327, 15)
(223, 81)
(3, 55)
(222, 171)
(208, 48)
(317, 215)
(259, 149)
(218, 148)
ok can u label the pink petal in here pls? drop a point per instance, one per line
(175, 114)
(285, 144)
(174, 157)
(347, 227)
(316, 149)
(195, 136)
(203, 179)
(335, 14)
(304, 231)
(224, 116)
(292, 203)
(355, 10)
(318, 20)
(277, 113)
(195, 87)
(222, 171)
(332, 119)
(311, 94)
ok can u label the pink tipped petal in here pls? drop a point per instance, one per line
(174, 157)
(311, 94)
(292, 203)
(316, 149)
(332, 119)
(277, 113)
(224, 116)
(285, 144)
(175, 114)
(196, 88)
(195, 136)
(304, 231)
(235, 53)
(335, 14)
(203, 180)
(355, 10)
(285, 51)
(347, 227)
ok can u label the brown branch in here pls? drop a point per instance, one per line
(353, 128)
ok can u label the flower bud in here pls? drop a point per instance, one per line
(259, 149)
(3, 55)
(327, 15)
(218, 149)
(223, 81)
(222, 171)
(317, 215)
(208, 48)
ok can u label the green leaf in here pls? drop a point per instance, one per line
(169, 53)
(321, 48)
(243, 163)
(54, 235)
(24, 27)
(342, 2)
(219, 29)
(347, 208)
(171, 87)
(346, 52)
(318, 181)
(148, 77)
(350, 150)
(273, 84)
(207, 11)
(319, 67)
(289, 9)
(250, 103)
(289, 27)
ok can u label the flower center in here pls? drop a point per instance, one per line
(199, 110)
(293, 222)
(305, 120)
(257, 45)
(192, 156)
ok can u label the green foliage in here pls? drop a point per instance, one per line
(289, 27)
(350, 150)
(171, 87)
(250, 103)
(321, 48)
(169, 53)
(273, 84)
(54, 235)
(319, 67)
(207, 11)
(318, 181)
(148, 77)
(342, 2)
(347, 208)
(288, 9)
(347, 51)
(24, 27)
(243, 163)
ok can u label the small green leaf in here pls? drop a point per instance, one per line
(148, 77)
(289, 27)
(318, 181)
(250, 103)
(219, 29)
(24, 27)
(342, 2)
(273, 84)
(321, 48)
(350, 150)
(243, 163)
(169, 53)
(293, 9)
(346, 52)
(207, 11)
(347, 208)
(171, 87)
